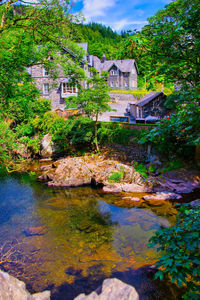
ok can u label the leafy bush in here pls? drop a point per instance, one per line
(116, 176)
(179, 134)
(179, 246)
(116, 133)
(140, 168)
(173, 165)
(7, 142)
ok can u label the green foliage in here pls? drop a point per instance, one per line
(173, 165)
(101, 39)
(179, 134)
(94, 99)
(7, 142)
(179, 248)
(110, 133)
(116, 176)
(151, 168)
(167, 48)
(140, 168)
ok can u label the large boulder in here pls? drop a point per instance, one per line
(112, 289)
(77, 171)
(13, 289)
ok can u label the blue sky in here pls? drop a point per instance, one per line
(119, 14)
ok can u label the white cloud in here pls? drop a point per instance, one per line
(122, 23)
(119, 25)
(96, 8)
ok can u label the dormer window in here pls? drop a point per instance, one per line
(114, 72)
(45, 72)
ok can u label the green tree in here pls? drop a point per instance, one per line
(180, 251)
(94, 99)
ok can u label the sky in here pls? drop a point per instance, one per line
(119, 14)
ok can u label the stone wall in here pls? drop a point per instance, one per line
(54, 86)
(122, 97)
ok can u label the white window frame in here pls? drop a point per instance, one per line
(45, 91)
(114, 72)
(45, 72)
(66, 89)
(112, 84)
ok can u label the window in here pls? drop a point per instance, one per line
(112, 84)
(126, 84)
(45, 72)
(68, 89)
(45, 88)
(114, 72)
(117, 84)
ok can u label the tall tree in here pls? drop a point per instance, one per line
(169, 44)
(94, 99)
(30, 35)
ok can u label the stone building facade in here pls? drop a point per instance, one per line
(149, 105)
(122, 75)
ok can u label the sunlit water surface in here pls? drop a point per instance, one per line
(85, 237)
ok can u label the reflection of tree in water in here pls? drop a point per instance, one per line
(78, 236)
(92, 227)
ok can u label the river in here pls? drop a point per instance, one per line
(82, 237)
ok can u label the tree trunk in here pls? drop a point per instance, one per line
(95, 134)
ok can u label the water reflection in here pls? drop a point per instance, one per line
(86, 238)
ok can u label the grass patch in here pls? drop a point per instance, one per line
(116, 176)
(140, 168)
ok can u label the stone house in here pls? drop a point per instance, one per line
(150, 105)
(122, 75)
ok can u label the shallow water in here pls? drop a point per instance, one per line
(86, 237)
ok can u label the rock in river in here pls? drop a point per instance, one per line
(78, 171)
(112, 289)
(39, 230)
(13, 289)
(159, 198)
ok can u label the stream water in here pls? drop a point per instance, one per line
(70, 240)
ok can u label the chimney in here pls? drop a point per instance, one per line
(103, 58)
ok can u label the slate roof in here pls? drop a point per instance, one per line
(148, 98)
(125, 65)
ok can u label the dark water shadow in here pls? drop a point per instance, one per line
(141, 279)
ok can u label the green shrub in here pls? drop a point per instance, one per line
(116, 176)
(179, 248)
(173, 165)
(151, 168)
(178, 135)
(110, 133)
(140, 168)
